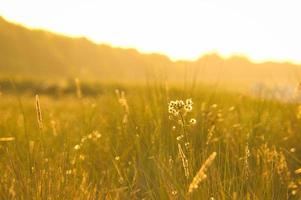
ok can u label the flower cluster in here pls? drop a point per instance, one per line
(180, 107)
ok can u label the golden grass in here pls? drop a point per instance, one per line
(139, 146)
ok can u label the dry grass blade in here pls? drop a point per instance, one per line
(184, 161)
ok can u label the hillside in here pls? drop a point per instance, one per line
(36, 53)
(43, 55)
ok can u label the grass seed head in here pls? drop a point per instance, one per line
(39, 112)
(201, 175)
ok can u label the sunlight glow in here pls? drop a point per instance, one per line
(261, 30)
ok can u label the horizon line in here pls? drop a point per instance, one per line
(149, 52)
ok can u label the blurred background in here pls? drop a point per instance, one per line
(242, 46)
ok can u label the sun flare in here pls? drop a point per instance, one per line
(261, 30)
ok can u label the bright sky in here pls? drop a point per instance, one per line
(181, 29)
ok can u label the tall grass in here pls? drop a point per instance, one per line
(126, 144)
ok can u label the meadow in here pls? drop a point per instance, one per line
(148, 142)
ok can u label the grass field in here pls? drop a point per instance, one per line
(134, 144)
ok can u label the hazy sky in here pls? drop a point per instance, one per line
(260, 29)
